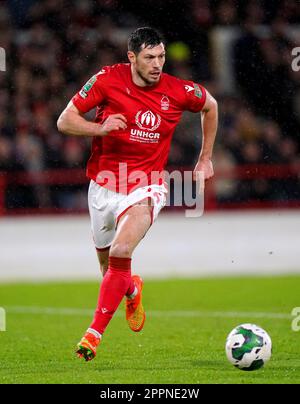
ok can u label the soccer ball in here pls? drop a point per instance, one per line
(248, 347)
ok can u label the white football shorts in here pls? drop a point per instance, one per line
(106, 207)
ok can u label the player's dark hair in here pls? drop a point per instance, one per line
(144, 36)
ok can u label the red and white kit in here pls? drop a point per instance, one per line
(125, 165)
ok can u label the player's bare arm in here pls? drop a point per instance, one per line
(209, 120)
(72, 122)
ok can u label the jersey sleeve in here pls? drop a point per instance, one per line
(195, 96)
(93, 93)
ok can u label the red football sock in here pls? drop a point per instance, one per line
(131, 288)
(115, 285)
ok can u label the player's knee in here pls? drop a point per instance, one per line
(121, 250)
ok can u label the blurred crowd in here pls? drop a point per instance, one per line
(54, 46)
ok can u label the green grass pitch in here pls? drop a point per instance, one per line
(182, 342)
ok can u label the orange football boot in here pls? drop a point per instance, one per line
(135, 313)
(87, 346)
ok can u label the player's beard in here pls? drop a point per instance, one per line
(147, 81)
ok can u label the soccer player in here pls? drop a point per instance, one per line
(138, 108)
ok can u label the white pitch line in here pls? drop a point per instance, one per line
(152, 313)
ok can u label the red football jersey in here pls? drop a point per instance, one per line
(125, 159)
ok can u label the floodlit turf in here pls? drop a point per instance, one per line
(182, 342)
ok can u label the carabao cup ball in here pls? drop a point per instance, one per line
(248, 347)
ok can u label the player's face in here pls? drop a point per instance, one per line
(148, 64)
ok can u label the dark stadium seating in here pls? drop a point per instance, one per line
(52, 48)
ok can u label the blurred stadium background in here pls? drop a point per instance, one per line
(241, 51)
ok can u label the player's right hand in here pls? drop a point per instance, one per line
(113, 122)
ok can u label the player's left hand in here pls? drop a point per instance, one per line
(205, 167)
